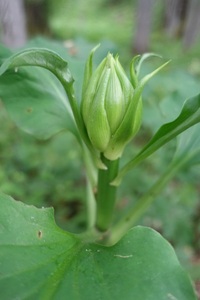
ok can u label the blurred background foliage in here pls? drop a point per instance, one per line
(51, 173)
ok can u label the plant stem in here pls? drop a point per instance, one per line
(106, 194)
(91, 206)
(91, 177)
(118, 230)
(91, 170)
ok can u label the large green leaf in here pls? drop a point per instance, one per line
(33, 96)
(38, 260)
(189, 116)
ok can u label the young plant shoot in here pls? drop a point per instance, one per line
(108, 117)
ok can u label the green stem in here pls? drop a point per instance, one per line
(91, 206)
(118, 230)
(91, 169)
(75, 110)
(91, 176)
(106, 194)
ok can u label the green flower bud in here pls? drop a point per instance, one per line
(109, 114)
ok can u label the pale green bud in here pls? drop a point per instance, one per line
(109, 114)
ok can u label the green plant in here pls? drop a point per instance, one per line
(110, 260)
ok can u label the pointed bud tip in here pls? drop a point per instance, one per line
(109, 60)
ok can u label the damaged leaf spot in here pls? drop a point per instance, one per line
(39, 234)
(29, 110)
(123, 256)
(171, 297)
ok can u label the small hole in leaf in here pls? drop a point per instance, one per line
(29, 110)
(39, 234)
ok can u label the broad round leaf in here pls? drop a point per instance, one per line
(38, 260)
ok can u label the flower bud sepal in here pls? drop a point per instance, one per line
(106, 103)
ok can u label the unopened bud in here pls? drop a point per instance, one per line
(106, 100)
